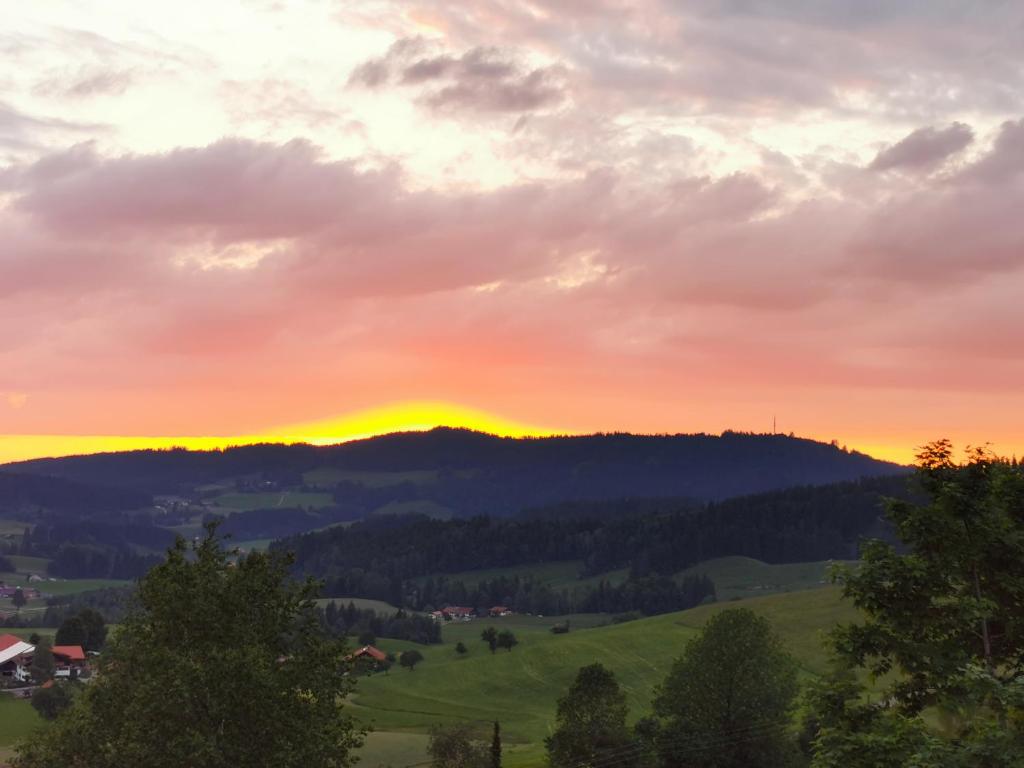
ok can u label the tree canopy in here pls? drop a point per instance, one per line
(943, 622)
(590, 724)
(727, 701)
(219, 663)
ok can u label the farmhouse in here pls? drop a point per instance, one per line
(500, 610)
(15, 658)
(457, 613)
(70, 660)
(367, 652)
(30, 593)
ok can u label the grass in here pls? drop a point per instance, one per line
(63, 586)
(739, 577)
(26, 632)
(241, 502)
(361, 603)
(418, 507)
(328, 477)
(520, 688)
(17, 719)
(25, 564)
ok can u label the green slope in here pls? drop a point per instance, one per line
(520, 688)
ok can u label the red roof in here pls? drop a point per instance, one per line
(373, 653)
(6, 641)
(70, 652)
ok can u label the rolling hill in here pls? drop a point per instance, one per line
(520, 688)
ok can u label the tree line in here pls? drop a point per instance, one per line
(390, 559)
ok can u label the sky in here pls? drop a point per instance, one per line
(320, 219)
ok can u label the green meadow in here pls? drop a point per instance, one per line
(17, 720)
(241, 502)
(520, 688)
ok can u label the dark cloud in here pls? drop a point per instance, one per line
(483, 79)
(925, 148)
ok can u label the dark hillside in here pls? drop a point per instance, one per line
(475, 473)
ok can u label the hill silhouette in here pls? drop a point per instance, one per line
(472, 472)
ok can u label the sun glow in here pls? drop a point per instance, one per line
(397, 417)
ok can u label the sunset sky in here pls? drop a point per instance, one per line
(318, 219)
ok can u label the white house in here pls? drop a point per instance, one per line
(15, 658)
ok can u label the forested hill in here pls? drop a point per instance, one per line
(378, 558)
(474, 473)
(20, 493)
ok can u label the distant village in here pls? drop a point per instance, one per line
(462, 613)
(16, 661)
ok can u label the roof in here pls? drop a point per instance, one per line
(70, 652)
(368, 650)
(11, 647)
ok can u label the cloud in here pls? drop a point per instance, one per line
(482, 79)
(237, 272)
(924, 149)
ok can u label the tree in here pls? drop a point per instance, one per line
(72, 632)
(95, 629)
(496, 746)
(506, 640)
(51, 702)
(590, 724)
(942, 614)
(410, 659)
(367, 638)
(19, 599)
(490, 636)
(727, 700)
(461, 649)
(215, 652)
(43, 665)
(454, 747)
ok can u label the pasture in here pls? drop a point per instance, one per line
(242, 502)
(520, 688)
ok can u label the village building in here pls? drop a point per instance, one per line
(500, 610)
(30, 593)
(457, 613)
(69, 659)
(15, 659)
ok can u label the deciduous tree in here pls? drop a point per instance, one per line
(943, 622)
(218, 664)
(728, 699)
(590, 723)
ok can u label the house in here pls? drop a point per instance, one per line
(437, 616)
(368, 652)
(70, 660)
(457, 612)
(30, 593)
(15, 658)
(500, 610)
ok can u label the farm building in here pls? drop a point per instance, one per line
(457, 613)
(500, 610)
(70, 660)
(15, 658)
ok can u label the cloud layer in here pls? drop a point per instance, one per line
(647, 215)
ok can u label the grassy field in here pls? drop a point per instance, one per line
(240, 502)
(738, 577)
(520, 688)
(17, 718)
(328, 477)
(416, 507)
(24, 564)
(362, 603)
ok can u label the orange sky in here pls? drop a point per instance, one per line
(318, 221)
